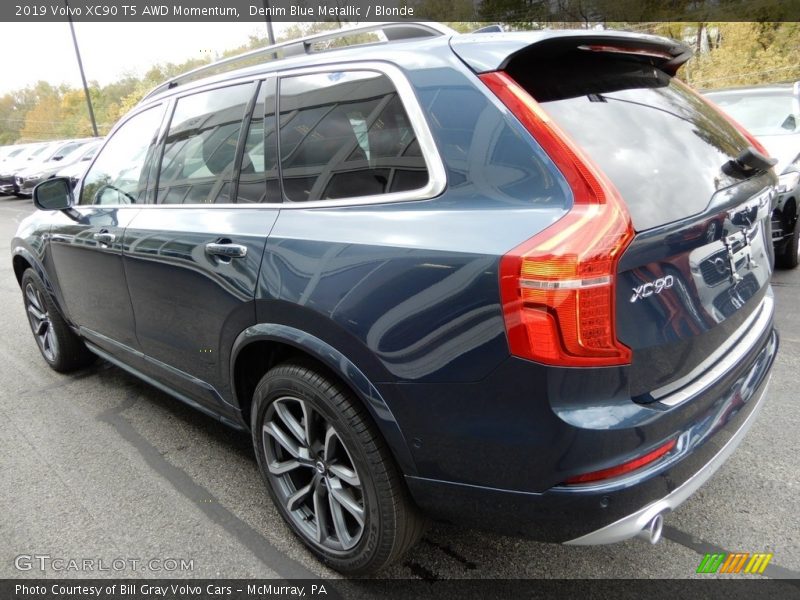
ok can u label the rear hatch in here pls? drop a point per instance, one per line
(691, 286)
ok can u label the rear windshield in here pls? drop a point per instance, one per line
(661, 145)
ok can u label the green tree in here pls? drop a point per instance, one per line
(726, 54)
(746, 54)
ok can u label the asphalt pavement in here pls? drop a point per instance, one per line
(100, 466)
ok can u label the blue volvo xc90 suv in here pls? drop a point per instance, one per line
(516, 280)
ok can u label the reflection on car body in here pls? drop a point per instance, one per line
(407, 272)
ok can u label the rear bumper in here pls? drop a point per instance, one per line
(713, 425)
(631, 525)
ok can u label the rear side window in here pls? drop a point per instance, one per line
(200, 150)
(482, 149)
(346, 135)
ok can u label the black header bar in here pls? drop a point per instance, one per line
(534, 12)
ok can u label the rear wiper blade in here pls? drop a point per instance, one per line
(751, 159)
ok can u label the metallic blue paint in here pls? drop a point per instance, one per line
(401, 302)
(343, 367)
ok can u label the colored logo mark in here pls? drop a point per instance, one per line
(739, 562)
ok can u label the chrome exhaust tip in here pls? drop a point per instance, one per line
(652, 531)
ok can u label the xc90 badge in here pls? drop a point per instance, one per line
(652, 287)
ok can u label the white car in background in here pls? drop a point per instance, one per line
(6, 151)
(17, 162)
(772, 114)
(49, 160)
(78, 157)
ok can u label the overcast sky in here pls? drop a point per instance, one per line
(34, 51)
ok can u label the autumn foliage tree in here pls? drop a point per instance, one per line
(726, 54)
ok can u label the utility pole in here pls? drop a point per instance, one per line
(270, 33)
(80, 67)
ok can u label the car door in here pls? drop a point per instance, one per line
(86, 242)
(192, 258)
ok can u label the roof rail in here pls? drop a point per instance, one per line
(392, 32)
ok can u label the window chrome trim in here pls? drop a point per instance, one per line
(437, 178)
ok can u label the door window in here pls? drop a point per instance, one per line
(346, 134)
(200, 151)
(119, 176)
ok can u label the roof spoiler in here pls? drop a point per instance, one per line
(488, 52)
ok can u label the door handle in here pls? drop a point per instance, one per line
(226, 250)
(104, 237)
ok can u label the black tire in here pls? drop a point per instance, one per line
(790, 255)
(315, 405)
(60, 347)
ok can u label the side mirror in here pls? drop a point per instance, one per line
(53, 194)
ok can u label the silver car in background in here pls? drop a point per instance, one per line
(46, 164)
(16, 162)
(78, 157)
(772, 114)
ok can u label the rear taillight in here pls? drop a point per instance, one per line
(557, 288)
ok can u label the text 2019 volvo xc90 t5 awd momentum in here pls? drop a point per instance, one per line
(517, 280)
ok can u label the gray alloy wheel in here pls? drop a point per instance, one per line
(63, 350)
(314, 474)
(329, 471)
(41, 325)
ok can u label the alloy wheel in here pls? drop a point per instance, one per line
(40, 322)
(314, 474)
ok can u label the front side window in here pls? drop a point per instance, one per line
(200, 150)
(119, 176)
(345, 135)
